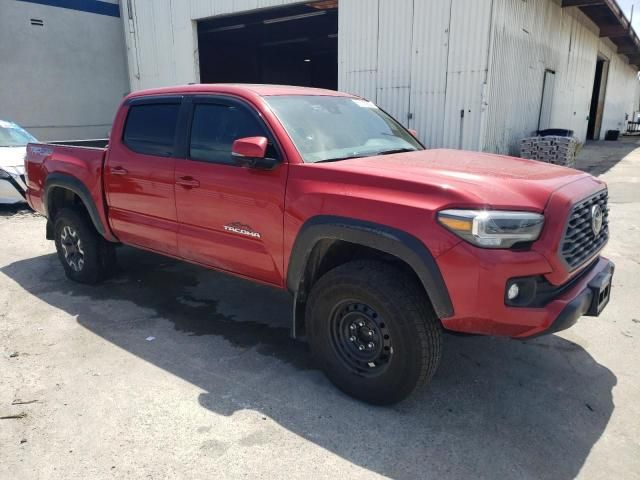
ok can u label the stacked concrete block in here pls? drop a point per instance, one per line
(551, 149)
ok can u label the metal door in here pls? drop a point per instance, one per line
(546, 104)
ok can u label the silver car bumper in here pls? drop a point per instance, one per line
(12, 185)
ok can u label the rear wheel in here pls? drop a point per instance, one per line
(373, 331)
(84, 254)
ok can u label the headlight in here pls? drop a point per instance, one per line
(493, 228)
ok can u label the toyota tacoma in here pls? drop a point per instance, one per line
(383, 244)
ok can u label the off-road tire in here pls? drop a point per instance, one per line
(381, 291)
(98, 255)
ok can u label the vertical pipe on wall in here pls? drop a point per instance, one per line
(485, 86)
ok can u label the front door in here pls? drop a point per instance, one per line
(139, 176)
(230, 217)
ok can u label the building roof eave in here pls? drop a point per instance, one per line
(613, 24)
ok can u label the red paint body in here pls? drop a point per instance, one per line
(180, 208)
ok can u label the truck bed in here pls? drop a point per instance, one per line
(80, 167)
(95, 143)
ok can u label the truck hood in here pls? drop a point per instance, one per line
(12, 157)
(465, 178)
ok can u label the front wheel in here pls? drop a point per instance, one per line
(84, 254)
(373, 331)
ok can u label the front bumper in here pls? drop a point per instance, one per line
(477, 287)
(589, 302)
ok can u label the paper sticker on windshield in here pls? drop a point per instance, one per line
(364, 103)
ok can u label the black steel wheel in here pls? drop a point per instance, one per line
(373, 332)
(361, 338)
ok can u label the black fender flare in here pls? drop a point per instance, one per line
(69, 182)
(392, 241)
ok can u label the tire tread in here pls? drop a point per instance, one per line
(102, 254)
(401, 292)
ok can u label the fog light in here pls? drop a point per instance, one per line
(513, 292)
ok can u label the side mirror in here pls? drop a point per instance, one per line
(250, 152)
(414, 133)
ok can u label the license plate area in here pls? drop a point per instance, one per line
(601, 289)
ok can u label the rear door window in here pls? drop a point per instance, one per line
(151, 129)
(215, 127)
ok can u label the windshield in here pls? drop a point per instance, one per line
(11, 135)
(327, 128)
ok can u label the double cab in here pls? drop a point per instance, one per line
(382, 243)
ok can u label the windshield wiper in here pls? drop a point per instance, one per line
(338, 159)
(397, 150)
(373, 154)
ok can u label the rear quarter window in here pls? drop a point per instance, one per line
(151, 129)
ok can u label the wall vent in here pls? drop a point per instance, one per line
(37, 22)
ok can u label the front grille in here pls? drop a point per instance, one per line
(580, 243)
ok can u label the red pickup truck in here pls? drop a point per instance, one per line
(382, 243)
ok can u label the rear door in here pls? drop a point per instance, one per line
(139, 175)
(231, 218)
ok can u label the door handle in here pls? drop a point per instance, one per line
(118, 171)
(188, 182)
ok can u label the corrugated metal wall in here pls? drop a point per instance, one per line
(394, 57)
(358, 47)
(162, 40)
(469, 33)
(622, 93)
(424, 61)
(528, 38)
(464, 73)
(429, 69)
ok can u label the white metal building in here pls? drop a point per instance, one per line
(63, 68)
(472, 74)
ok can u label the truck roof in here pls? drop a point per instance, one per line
(239, 89)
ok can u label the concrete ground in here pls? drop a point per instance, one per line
(172, 371)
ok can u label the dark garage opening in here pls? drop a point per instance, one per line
(597, 99)
(293, 45)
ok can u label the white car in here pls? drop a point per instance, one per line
(13, 147)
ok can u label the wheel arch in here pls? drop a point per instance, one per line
(324, 242)
(63, 190)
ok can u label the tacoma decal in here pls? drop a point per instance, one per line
(242, 229)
